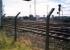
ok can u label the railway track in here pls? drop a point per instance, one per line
(59, 31)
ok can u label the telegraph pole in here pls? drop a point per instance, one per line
(62, 11)
(30, 8)
(29, 5)
(35, 7)
(47, 9)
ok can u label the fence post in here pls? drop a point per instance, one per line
(2, 21)
(15, 27)
(47, 29)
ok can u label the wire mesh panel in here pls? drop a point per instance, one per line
(33, 34)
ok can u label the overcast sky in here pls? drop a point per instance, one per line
(12, 7)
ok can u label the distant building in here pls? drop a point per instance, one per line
(0, 11)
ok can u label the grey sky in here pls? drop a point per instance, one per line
(12, 7)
